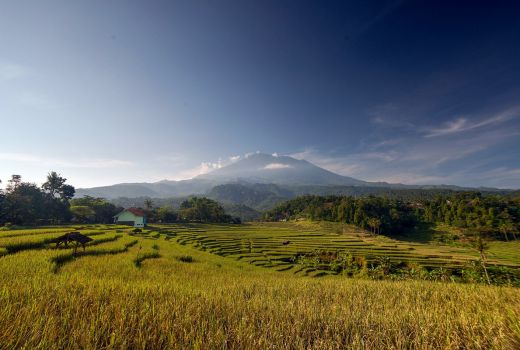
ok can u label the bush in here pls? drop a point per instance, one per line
(7, 226)
(186, 258)
(142, 257)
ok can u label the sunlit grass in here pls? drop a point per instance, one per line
(102, 299)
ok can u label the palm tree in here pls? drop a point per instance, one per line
(505, 228)
(374, 224)
(148, 203)
(482, 246)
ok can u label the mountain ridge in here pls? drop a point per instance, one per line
(258, 168)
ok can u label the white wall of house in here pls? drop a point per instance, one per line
(127, 216)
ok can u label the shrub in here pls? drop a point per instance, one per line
(7, 226)
(185, 258)
(142, 257)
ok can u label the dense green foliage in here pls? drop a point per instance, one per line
(24, 203)
(381, 214)
(243, 212)
(493, 216)
(267, 196)
(93, 210)
(249, 200)
(497, 216)
(203, 210)
(257, 196)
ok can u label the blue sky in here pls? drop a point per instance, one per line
(415, 92)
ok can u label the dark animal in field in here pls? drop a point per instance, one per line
(72, 237)
(286, 242)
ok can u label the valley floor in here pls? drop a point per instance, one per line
(175, 288)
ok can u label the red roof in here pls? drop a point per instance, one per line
(136, 211)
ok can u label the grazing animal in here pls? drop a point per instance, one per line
(286, 242)
(72, 237)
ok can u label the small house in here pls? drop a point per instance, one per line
(132, 216)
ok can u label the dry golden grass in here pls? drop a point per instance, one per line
(107, 302)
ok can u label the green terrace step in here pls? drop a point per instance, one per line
(262, 245)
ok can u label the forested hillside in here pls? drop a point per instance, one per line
(493, 216)
(267, 196)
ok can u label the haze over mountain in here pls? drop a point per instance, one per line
(280, 170)
(300, 176)
(256, 168)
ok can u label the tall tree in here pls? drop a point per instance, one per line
(67, 192)
(54, 184)
(26, 205)
(482, 246)
(14, 182)
(374, 224)
(148, 204)
(58, 194)
(104, 211)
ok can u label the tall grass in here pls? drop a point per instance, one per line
(104, 301)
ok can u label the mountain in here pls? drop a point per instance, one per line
(280, 170)
(258, 181)
(257, 168)
(161, 189)
(256, 196)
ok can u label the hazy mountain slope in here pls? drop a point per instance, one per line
(118, 190)
(257, 168)
(161, 189)
(243, 212)
(280, 170)
(257, 196)
(289, 177)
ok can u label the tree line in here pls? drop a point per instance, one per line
(494, 215)
(193, 209)
(25, 203)
(52, 203)
(497, 216)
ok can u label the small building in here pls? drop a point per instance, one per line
(132, 216)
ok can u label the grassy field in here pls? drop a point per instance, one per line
(262, 244)
(230, 286)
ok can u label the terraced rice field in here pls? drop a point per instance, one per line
(106, 240)
(235, 287)
(269, 245)
(275, 245)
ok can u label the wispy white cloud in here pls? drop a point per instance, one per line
(207, 167)
(463, 124)
(201, 169)
(419, 160)
(247, 155)
(274, 166)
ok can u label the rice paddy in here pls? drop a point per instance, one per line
(275, 245)
(234, 286)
